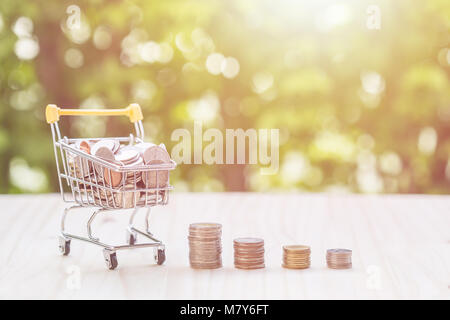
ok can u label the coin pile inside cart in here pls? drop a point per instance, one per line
(122, 184)
(205, 245)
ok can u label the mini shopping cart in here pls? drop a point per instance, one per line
(85, 176)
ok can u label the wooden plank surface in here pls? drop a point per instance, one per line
(401, 248)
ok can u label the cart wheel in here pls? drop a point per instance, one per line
(160, 256)
(131, 237)
(64, 245)
(110, 259)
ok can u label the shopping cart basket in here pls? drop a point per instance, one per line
(88, 180)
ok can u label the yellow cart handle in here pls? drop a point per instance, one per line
(133, 111)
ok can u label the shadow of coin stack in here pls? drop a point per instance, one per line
(339, 258)
(248, 253)
(296, 257)
(205, 245)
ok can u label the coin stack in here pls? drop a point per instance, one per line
(248, 253)
(339, 258)
(129, 157)
(296, 257)
(205, 245)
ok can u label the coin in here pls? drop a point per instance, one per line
(130, 157)
(296, 257)
(295, 266)
(153, 156)
(204, 266)
(142, 146)
(127, 155)
(248, 242)
(205, 245)
(205, 226)
(111, 177)
(105, 154)
(260, 266)
(123, 197)
(84, 146)
(127, 197)
(248, 253)
(296, 248)
(110, 144)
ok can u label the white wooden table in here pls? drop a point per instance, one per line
(401, 248)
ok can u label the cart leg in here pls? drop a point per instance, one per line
(131, 235)
(89, 223)
(147, 221)
(64, 216)
(63, 239)
(159, 249)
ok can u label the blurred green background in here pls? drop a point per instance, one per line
(360, 109)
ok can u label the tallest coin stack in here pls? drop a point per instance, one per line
(205, 245)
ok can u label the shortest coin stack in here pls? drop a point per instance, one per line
(248, 253)
(339, 258)
(296, 257)
(205, 245)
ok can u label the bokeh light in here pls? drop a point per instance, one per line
(333, 16)
(74, 58)
(204, 109)
(230, 67)
(26, 48)
(102, 38)
(427, 140)
(262, 81)
(214, 63)
(2, 23)
(26, 178)
(23, 27)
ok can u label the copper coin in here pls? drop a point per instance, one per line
(260, 266)
(112, 178)
(296, 248)
(142, 146)
(205, 225)
(295, 267)
(248, 241)
(110, 144)
(84, 146)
